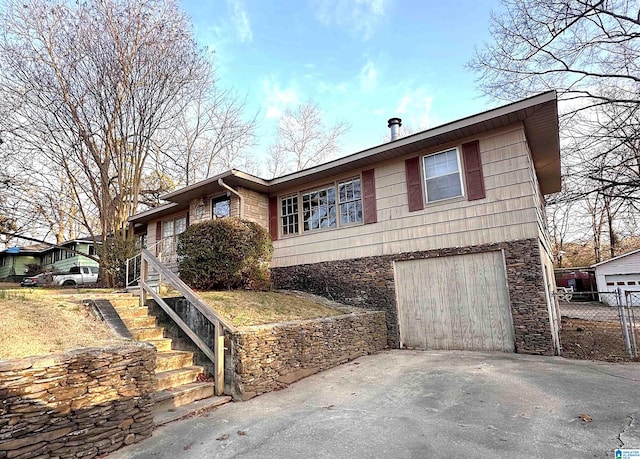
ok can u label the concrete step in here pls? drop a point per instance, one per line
(175, 378)
(145, 334)
(179, 396)
(161, 344)
(139, 322)
(172, 360)
(199, 406)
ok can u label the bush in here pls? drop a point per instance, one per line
(225, 253)
(113, 254)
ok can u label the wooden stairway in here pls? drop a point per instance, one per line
(179, 391)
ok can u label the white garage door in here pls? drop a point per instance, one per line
(627, 283)
(455, 302)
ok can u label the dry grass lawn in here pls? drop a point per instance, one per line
(244, 308)
(42, 321)
(39, 322)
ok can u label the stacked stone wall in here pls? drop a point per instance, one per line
(83, 403)
(369, 283)
(269, 357)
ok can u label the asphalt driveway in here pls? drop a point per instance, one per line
(401, 404)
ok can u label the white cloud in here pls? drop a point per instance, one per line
(240, 20)
(414, 107)
(331, 88)
(368, 76)
(277, 99)
(359, 16)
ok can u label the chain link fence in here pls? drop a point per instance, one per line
(602, 328)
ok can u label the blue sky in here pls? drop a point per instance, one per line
(363, 61)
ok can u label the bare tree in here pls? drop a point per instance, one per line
(211, 135)
(303, 140)
(586, 49)
(92, 86)
(589, 51)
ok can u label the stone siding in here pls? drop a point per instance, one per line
(369, 283)
(269, 357)
(83, 403)
(256, 206)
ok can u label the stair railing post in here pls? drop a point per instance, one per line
(144, 276)
(218, 351)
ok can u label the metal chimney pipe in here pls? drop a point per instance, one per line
(394, 124)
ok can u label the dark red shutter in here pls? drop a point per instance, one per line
(187, 217)
(369, 196)
(473, 170)
(273, 217)
(414, 184)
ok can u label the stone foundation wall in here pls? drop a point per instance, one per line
(269, 357)
(82, 403)
(369, 283)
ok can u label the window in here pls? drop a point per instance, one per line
(3, 260)
(220, 207)
(171, 228)
(289, 214)
(319, 209)
(350, 196)
(92, 249)
(442, 175)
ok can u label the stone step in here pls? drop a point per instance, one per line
(172, 360)
(161, 344)
(180, 412)
(145, 334)
(125, 302)
(139, 322)
(179, 396)
(132, 312)
(175, 378)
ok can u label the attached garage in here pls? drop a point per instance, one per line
(454, 302)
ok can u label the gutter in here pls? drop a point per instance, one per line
(240, 199)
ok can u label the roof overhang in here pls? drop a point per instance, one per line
(153, 214)
(538, 114)
(232, 178)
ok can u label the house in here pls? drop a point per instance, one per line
(60, 260)
(620, 273)
(445, 230)
(15, 262)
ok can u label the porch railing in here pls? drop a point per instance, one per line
(164, 249)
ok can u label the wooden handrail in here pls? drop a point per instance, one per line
(217, 356)
(176, 318)
(185, 290)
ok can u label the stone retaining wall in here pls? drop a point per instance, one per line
(269, 357)
(83, 403)
(369, 283)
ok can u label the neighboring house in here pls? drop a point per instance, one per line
(60, 260)
(445, 230)
(14, 261)
(621, 272)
